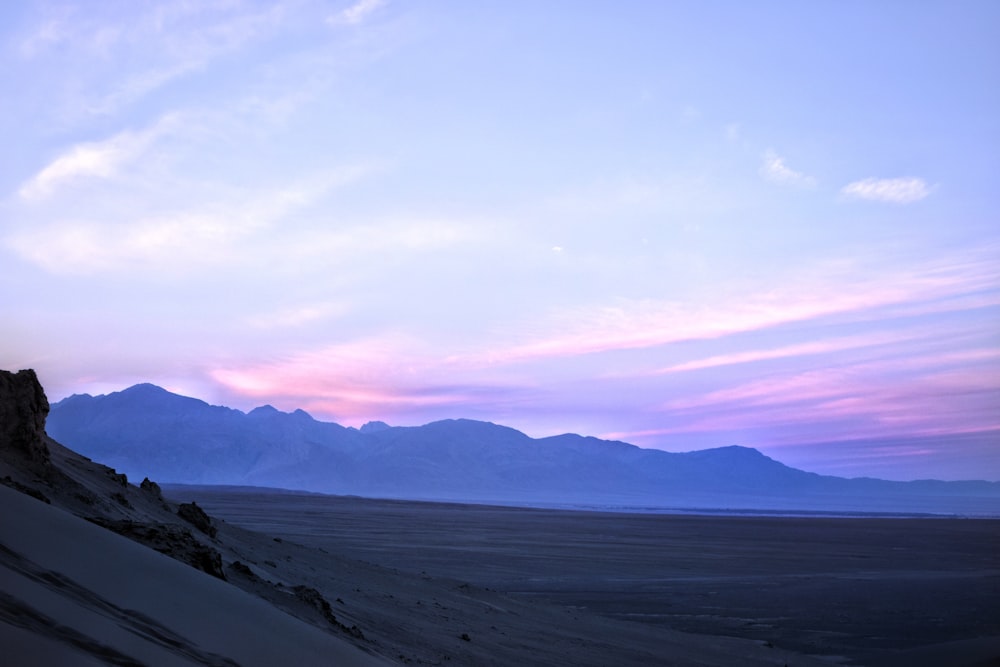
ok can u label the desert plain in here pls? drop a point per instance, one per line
(445, 583)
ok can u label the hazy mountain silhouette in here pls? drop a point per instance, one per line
(148, 431)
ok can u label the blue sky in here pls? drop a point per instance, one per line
(682, 225)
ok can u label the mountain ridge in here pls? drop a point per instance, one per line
(148, 431)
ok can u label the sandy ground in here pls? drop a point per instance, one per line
(616, 587)
(74, 593)
(420, 618)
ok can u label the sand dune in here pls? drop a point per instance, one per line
(75, 593)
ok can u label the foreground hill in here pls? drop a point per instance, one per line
(146, 430)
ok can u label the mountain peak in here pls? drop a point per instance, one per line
(737, 449)
(146, 395)
(146, 388)
(374, 427)
(734, 453)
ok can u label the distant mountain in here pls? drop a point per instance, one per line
(148, 431)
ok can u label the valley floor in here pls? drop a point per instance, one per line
(848, 591)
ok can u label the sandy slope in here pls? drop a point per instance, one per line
(74, 593)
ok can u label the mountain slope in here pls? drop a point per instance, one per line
(145, 430)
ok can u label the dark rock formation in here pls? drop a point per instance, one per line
(23, 488)
(174, 541)
(152, 488)
(243, 570)
(196, 516)
(313, 598)
(121, 479)
(23, 409)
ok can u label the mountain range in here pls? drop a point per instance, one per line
(148, 431)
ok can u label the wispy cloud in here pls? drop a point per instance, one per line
(298, 316)
(869, 389)
(812, 348)
(236, 235)
(774, 169)
(919, 388)
(925, 392)
(98, 159)
(893, 190)
(137, 86)
(87, 247)
(206, 234)
(385, 376)
(823, 292)
(115, 57)
(381, 238)
(357, 13)
(44, 36)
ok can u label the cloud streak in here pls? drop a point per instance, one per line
(940, 392)
(118, 55)
(813, 348)
(906, 378)
(296, 317)
(357, 13)
(99, 159)
(891, 190)
(774, 169)
(808, 296)
(201, 235)
(392, 376)
(926, 393)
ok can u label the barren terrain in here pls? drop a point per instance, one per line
(857, 590)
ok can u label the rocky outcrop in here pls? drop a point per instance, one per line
(174, 541)
(151, 487)
(25, 489)
(23, 410)
(196, 516)
(313, 598)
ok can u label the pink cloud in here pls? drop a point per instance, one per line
(797, 350)
(376, 378)
(829, 292)
(899, 381)
(916, 395)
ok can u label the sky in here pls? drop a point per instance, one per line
(678, 224)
